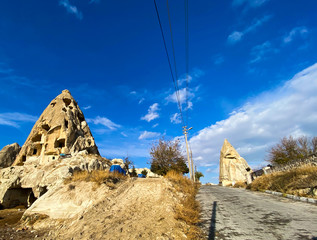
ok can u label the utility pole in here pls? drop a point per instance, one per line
(185, 131)
(192, 163)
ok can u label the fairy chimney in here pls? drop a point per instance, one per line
(233, 168)
(61, 129)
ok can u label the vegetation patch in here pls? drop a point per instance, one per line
(300, 181)
(97, 176)
(188, 209)
(240, 185)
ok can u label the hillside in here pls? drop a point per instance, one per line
(141, 208)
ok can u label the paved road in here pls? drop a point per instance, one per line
(230, 213)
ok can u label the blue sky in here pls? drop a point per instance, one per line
(253, 78)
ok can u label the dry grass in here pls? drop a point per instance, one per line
(97, 176)
(240, 185)
(290, 182)
(188, 210)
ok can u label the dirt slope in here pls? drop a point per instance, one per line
(141, 209)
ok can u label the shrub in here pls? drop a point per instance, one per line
(198, 175)
(167, 156)
(291, 149)
(133, 173)
(144, 172)
(240, 185)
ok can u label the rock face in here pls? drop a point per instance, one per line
(233, 168)
(61, 129)
(59, 144)
(8, 155)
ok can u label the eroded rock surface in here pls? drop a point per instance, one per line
(59, 144)
(61, 129)
(8, 155)
(233, 167)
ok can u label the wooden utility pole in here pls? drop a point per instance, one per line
(193, 169)
(185, 131)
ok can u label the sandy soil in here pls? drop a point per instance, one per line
(10, 226)
(142, 209)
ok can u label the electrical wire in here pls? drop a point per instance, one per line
(174, 57)
(169, 63)
(186, 56)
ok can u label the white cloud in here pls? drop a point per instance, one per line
(148, 135)
(87, 107)
(250, 3)
(130, 149)
(71, 8)
(123, 134)
(182, 96)
(155, 125)
(236, 36)
(176, 118)
(259, 124)
(133, 92)
(296, 32)
(15, 119)
(261, 51)
(141, 100)
(194, 74)
(152, 113)
(218, 59)
(105, 122)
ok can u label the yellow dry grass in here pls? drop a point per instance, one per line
(97, 176)
(188, 210)
(240, 185)
(291, 181)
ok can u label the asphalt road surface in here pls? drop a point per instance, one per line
(229, 213)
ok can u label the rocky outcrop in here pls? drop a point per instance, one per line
(118, 161)
(22, 185)
(59, 144)
(61, 129)
(8, 155)
(233, 168)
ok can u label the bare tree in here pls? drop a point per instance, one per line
(314, 144)
(166, 156)
(127, 164)
(291, 149)
(303, 146)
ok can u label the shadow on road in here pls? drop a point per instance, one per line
(212, 227)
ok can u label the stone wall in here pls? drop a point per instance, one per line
(310, 160)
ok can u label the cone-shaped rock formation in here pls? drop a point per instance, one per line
(61, 129)
(233, 168)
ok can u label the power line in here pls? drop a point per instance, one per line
(169, 63)
(174, 56)
(186, 55)
(185, 129)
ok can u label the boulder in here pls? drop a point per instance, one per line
(233, 168)
(8, 155)
(118, 161)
